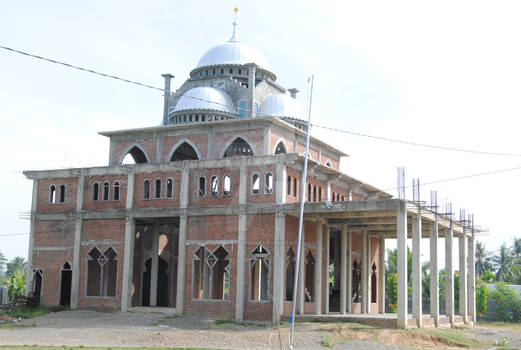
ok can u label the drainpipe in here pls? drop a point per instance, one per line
(168, 77)
(251, 90)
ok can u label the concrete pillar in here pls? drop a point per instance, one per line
(279, 266)
(381, 275)
(449, 275)
(416, 269)
(343, 268)
(368, 278)
(318, 268)
(241, 246)
(364, 272)
(463, 276)
(302, 272)
(32, 229)
(401, 228)
(171, 264)
(128, 262)
(434, 276)
(472, 279)
(78, 228)
(349, 272)
(326, 279)
(328, 190)
(181, 250)
(154, 266)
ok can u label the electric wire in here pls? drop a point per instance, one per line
(381, 138)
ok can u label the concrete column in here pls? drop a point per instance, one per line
(168, 77)
(449, 275)
(416, 269)
(343, 268)
(401, 228)
(171, 265)
(78, 227)
(368, 278)
(279, 266)
(302, 272)
(318, 269)
(364, 272)
(32, 229)
(328, 190)
(472, 279)
(463, 276)
(154, 266)
(128, 261)
(181, 252)
(241, 246)
(349, 300)
(326, 279)
(381, 275)
(434, 276)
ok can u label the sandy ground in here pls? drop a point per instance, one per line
(90, 328)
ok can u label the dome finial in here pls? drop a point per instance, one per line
(234, 35)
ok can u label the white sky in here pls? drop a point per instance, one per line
(443, 73)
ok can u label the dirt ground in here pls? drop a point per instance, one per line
(90, 328)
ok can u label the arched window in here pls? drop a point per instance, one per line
(157, 189)
(288, 185)
(328, 163)
(332, 196)
(184, 152)
(115, 191)
(356, 278)
(169, 188)
(338, 197)
(309, 192)
(214, 186)
(227, 185)
(211, 273)
(137, 156)
(309, 291)
(62, 194)
(52, 194)
(202, 186)
(255, 184)
(106, 190)
(260, 274)
(320, 194)
(294, 187)
(95, 192)
(146, 189)
(239, 147)
(290, 272)
(268, 183)
(280, 149)
(102, 270)
(314, 193)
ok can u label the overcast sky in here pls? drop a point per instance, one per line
(445, 73)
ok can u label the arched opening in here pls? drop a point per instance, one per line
(281, 148)
(37, 284)
(374, 284)
(65, 284)
(260, 274)
(290, 271)
(184, 152)
(288, 189)
(309, 292)
(239, 147)
(135, 156)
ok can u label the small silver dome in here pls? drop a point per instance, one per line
(205, 98)
(233, 52)
(280, 105)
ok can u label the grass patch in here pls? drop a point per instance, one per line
(326, 341)
(224, 321)
(26, 313)
(500, 325)
(455, 335)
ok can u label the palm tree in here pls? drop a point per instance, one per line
(483, 259)
(17, 265)
(503, 262)
(516, 250)
(3, 260)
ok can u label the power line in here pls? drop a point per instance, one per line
(463, 177)
(12, 234)
(381, 138)
(410, 143)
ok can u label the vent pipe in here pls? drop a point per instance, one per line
(168, 77)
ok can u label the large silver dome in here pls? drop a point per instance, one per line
(281, 105)
(233, 52)
(205, 98)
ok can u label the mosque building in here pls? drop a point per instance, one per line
(200, 214)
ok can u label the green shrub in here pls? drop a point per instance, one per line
(16, 287)
(391, 284)
(481, 297)
(508, 303)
